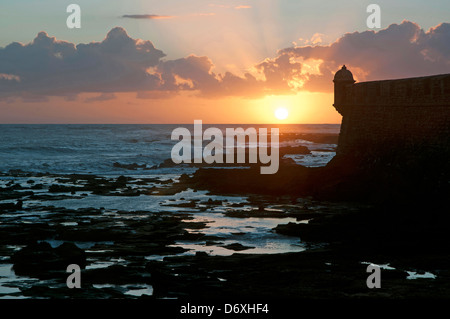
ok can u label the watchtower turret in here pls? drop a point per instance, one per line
(342, 78)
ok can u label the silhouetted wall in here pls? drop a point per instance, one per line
(393, 116)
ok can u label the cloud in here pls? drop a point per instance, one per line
(400, 50)
(9, 77)
(190, 73)
(315, 39)
(195, 73)
(280, 74)
(100, 98)
(147, 16)
(242, 7)
(49, 67)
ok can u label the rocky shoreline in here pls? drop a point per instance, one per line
(346, 216)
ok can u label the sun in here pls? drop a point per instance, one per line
(281, 113)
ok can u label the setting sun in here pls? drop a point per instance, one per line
(281, 113)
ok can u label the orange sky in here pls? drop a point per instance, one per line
(219, 62)
(126, 108)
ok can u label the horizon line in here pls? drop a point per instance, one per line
(169, 123)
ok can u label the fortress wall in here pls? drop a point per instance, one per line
(392, 116)
(431, 90)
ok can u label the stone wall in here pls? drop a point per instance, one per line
(382, 118)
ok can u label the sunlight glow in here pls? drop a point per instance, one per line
(281, 113)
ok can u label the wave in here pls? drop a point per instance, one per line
(95, 148)
(38, 148)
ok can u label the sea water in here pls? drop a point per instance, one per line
(93, 149)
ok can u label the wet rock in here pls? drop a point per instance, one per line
(190, 204)
(17, 173)
(49, 197)
(331, 149)
(299, 149)
(184, 178)
(7, 206)
(121, 180)
(194, 225)
(211, 243)
(19, 204)
(211, 202)
(40, 259)
(128, 192)
(62, 189)
(167, 181)
(115, 274)
(237, 247)
(321, 138)
(166, 164)
(289, 229)
(258, 213)
(37, 186)
(290, 179)
(133, 166)
(237, 205)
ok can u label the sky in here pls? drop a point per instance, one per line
(229, 61)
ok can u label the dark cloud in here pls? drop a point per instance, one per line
(195, 73)
(100, 98)
(190, 73)
(147, 16)
(48, 67)
(401, 50)
(280, 73)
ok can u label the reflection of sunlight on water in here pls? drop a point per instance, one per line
(210, 250)
(219, 224)
(80, 244)
(8, 281)
(315, 159)
(411, 274)
(261, 248)
(6, 274)
(253, 232)
(69, 224)
(415, 275)
(105, 264)
(151, 203)
(250, 232)
(146, 290)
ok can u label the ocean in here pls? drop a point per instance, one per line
(93, 149)
(99, 188)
